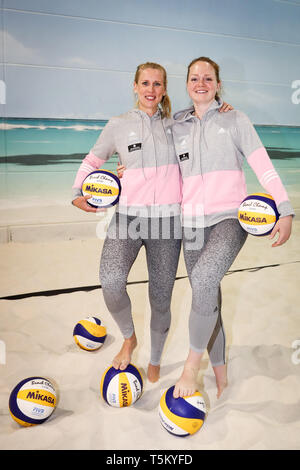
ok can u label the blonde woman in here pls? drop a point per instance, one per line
(148, 213)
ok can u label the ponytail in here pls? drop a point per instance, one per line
(165, 106)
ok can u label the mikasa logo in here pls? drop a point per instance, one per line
(124, 393)
(38, 396)
(249, 218)
(94, 189)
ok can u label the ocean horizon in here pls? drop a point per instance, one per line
(47, 136)
(50, 151)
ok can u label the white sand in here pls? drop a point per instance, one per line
(259, 409)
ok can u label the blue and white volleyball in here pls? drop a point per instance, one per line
(181, 416)
(121, 388)
(32, 401)
(258, 214)
(89, 333)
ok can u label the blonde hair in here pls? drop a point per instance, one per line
(215, 66)
(165, 103)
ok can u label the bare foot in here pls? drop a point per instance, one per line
(187, 384)
(123, 358)
(221, 378)
(153, 373)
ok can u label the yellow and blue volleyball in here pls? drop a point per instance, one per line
(258, 214)
(182, 416)
(32, 401)
(121, 388)
(89, 333)
(103, 186)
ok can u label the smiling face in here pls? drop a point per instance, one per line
(150, 90)
(202, 84)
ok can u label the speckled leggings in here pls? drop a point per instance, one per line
(161, 238)
(206, 267)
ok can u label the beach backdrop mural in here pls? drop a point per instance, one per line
(68, 66)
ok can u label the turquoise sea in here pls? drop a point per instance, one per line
(46, 144)
(50, 150)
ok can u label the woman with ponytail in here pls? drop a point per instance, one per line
(148, 213)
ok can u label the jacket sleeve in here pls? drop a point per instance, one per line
(103, 149)
(252, 148)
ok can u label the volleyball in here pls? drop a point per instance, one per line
(121, 388)
(32, 401)
(258, 214)
(89, 333)
(181, 416)
(103, 186)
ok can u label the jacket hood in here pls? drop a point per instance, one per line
(141, 113)
(185, 114)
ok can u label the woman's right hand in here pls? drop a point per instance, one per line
(81, 203)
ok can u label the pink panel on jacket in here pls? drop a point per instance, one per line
(216, 191)
(146, 186)
(261, 164)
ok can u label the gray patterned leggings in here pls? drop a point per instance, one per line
(161, 238)
(206, 267)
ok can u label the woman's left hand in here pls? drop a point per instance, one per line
(225, 107)
(283, 227)
(120, 170)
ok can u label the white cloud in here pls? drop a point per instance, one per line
(80, 62)
(16, 52)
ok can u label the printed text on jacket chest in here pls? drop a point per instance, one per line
(184, 156)
(134, 147)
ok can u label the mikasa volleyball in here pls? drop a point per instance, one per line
(258, 214)
(89, 333)
(32, 401)
(182, 416)
(121, 388)
(103, 186)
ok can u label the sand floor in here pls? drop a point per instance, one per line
(258, 410)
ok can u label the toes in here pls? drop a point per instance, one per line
(180, 391)
(124, 364)
(176, 392)
(116, 364)
(187, 392)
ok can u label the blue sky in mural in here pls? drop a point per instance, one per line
(75, 59)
